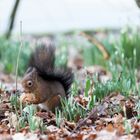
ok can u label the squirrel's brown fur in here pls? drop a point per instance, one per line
(42, 79)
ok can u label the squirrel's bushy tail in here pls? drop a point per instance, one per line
(43, 57)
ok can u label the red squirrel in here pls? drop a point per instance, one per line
(43, 83)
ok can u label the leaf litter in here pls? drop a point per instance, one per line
(115, 117)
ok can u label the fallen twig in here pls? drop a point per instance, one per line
(98, 44)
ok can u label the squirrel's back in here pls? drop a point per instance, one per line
(65, 77)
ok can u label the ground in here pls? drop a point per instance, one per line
(104, 98)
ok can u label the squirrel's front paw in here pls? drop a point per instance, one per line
(27, 98)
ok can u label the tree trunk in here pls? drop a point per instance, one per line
(12, 19)
(138, 3)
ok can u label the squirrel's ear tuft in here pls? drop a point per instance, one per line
(29, 70)
(34, 72)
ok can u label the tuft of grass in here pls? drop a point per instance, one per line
(61, 53)
(26, 116)
(129, 43)
(21, 122)
(14, 101)
(87, 88)
(59, 117)
(75, 88)
(16, 105)
(122, 85)
(35, 123)
(70, 110)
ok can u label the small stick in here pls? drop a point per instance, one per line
(17, 63)
(98, 44)
(82, 106)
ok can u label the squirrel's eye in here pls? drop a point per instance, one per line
(29, 83)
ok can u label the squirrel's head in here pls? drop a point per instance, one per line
(29, 81)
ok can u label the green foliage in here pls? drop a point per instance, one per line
(61, 53)
(8, 55)
(129, 42)
(14, 100)
(35, 123)
(123, 78)
(75, 88)
(91, 102)
(121, 85)
(92, 56)
(21, 122)
(88, 85)
(59, 117)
